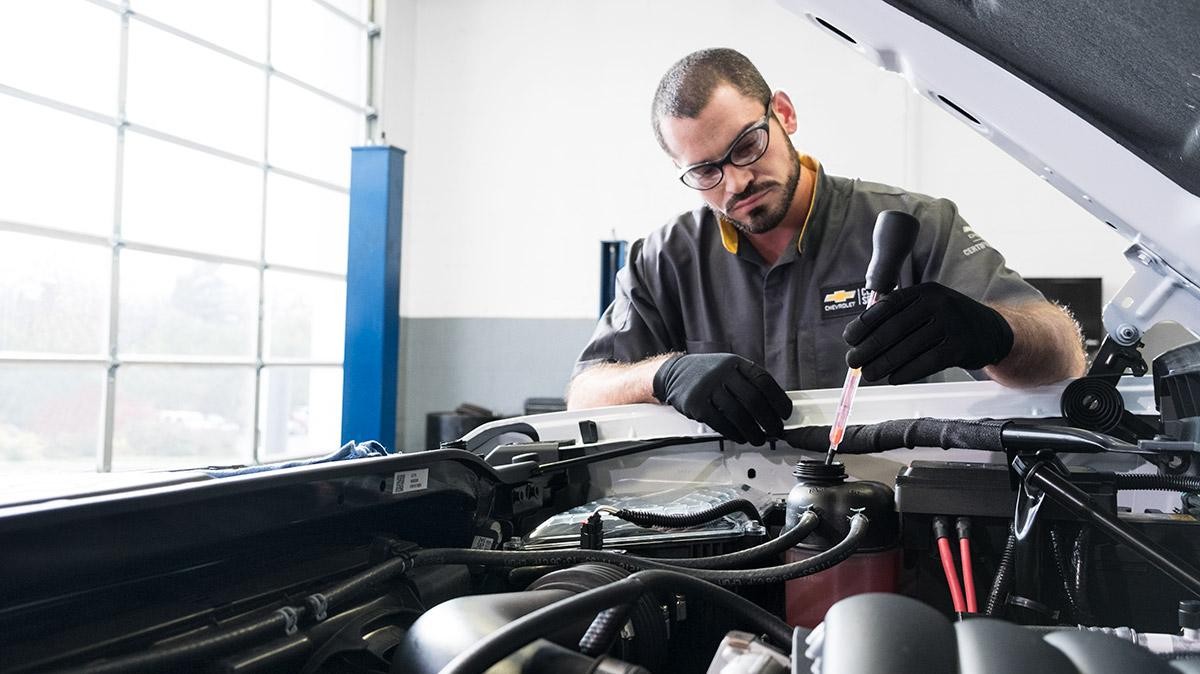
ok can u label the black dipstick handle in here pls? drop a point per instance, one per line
(893, 239)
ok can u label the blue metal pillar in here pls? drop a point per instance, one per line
(612, 258)
(373, 296)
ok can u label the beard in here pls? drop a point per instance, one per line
(763, 218)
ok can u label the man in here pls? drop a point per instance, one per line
(761, 287)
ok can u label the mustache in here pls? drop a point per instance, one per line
(751, 190)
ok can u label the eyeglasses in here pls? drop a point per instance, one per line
(747, 148)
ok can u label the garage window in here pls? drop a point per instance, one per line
(173, 226)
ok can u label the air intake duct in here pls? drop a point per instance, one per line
(1177, 391)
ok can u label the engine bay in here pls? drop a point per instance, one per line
(541, 555)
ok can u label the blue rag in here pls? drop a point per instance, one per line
(350, 450)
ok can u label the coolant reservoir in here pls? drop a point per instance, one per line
(875, 567)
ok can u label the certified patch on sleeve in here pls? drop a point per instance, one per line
(844, 300)
(977, 243)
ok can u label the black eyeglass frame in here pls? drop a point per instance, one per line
(764, 123)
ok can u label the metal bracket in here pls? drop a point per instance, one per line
(1114, 359)
(1154, 293)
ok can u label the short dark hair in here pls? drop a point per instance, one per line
(689, 84)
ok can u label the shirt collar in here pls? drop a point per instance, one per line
(730, 236)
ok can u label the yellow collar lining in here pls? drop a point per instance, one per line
(729, 233)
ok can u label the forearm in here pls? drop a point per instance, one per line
(615, 384)
(1047, 346)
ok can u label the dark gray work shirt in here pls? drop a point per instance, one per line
(697, 285)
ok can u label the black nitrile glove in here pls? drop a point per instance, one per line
(915, 332)
(735, 397)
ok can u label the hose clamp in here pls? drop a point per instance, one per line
(319, 606)
(291, 620)
(407, 560)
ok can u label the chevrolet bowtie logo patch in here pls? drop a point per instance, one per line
(848, 299)
(840, 296)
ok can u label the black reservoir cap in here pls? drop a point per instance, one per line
(1189, 614)
(892, 241)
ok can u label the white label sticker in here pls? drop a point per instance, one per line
(410, 480)
(481, 543)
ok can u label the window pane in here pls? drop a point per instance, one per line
(305, 317)
(355, 8)
(307, 225)
(312, 135)
(50, 415)
(181, 88)
(179, 197)
(172, 305)
(53, 295)
(62, 49)
(319, 48)
(211, 21)
(56, 169)
(182, 417)
(300, 412)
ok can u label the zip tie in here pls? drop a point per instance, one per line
(319, 605)
(400, 550)
(291, 619)
(407, 560)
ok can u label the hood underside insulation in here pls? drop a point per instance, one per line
(1131, 69)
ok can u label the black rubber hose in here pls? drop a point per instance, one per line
(1003, 575)
(762, 576)
(359, 584)
(1136, 481)
(1079, 557)
(1058, 550)
(607, 625)
(646, 518)
(499, 644)
(734, 560)
(782, 543)
(169, 658)
(600, 634)
(982, 434)
(226, 639)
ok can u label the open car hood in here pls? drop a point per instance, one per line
(1101, 99)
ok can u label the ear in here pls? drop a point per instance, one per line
(784, 111)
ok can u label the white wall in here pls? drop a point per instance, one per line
(528, 133)
(395, 93)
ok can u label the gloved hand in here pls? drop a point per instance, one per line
(914, 332)
(735, 397)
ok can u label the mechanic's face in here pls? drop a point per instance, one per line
(754, 197)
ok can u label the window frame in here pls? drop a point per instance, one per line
(116, 242)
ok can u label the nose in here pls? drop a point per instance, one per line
(737, 178)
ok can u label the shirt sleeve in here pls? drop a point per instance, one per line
(957, 257)
(632, 328)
